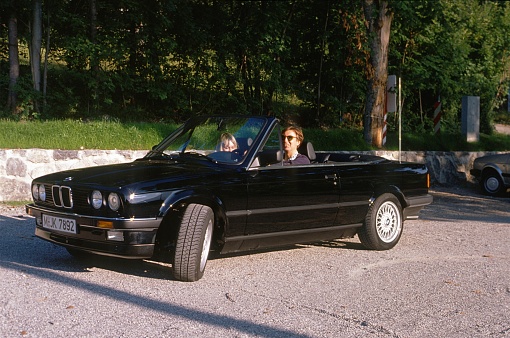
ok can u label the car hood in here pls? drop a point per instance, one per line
(125, 174)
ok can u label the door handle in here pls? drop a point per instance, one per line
(332, 177)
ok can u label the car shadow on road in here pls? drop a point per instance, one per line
(341, 244)
(454, 204)
(22, 248)
(21, 252)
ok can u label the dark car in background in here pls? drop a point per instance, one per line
(188, 197)
(493, 173)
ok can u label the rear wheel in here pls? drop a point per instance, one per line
(383, 224)
(193, 243)
(491, 183)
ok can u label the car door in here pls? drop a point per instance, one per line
(289, 198)
(356, 185)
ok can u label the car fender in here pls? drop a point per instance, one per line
(175, 203)
(181, 198)
(493, 166)
(392, 190)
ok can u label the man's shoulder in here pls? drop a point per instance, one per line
(301, 159)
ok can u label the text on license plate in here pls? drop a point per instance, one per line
(59, 224)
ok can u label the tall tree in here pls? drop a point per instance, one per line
(94, 63)
(378, 20)
(13, 62)
(35, 48)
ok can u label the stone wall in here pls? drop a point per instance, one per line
(18, 167)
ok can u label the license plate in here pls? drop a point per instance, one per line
(59, 224)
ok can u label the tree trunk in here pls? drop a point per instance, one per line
(94, 63)
(323, 46)
(46, 55)
(378, 19)
(35, 50)
(13, 63)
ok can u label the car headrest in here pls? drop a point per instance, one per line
(306, 148)
(268, 157)
(244, 142)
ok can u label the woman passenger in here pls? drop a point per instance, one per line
(228, 142)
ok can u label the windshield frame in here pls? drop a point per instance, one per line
(187, 142)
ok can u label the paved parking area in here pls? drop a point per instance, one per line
(448, 277)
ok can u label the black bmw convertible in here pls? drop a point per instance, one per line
(188, 196)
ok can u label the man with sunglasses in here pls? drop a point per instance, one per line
(292, 138)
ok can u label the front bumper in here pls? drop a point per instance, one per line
(134, 238)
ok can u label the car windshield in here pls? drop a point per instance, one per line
(217, 139)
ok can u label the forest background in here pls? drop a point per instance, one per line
(311, 62)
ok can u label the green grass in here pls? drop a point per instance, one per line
(336, 139)
(73, 135)
(449, 142)
(70, 135)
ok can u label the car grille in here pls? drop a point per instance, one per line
(62, 196)
(75, 198)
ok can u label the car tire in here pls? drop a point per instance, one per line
(383, 224)
(491, 183)
(193, 243)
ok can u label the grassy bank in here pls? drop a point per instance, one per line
(70, 135)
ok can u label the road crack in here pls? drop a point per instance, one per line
(360, 323)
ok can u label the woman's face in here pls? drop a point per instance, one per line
(290, 142)
(228, 145)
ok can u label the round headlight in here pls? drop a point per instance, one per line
(35, 192)
(42, 192)
(96, 199)
(114, 201)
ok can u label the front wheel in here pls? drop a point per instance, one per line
(383, 224)
(193, 243)
(491, 183)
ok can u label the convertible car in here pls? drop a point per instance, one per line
(190, 195)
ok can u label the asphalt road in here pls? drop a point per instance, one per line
(448, 277)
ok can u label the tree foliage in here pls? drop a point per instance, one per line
(307, 61)
(450, 49)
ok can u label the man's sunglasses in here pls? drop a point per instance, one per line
(289, 138)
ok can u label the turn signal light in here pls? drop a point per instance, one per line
(105, 224)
